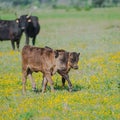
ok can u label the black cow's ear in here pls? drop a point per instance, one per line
(27, 16)
(29, 20)
(78, 54)
(17, 20)
(56, 54)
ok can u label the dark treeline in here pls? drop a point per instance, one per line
(61, 3)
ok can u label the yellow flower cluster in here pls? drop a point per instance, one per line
(96, 96)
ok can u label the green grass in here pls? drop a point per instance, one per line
(96, 84)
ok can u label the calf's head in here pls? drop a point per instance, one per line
(61, 59)
(73, 60)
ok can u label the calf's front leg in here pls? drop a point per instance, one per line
(44, 84)
(49, 79)
(66, 77)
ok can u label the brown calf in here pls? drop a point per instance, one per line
(72, 63)
(47, 61)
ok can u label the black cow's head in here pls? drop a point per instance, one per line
(24, 21)
(73, 60)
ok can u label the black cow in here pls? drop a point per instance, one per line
(31, 27)
(9, 30)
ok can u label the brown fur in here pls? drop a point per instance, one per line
(72, 63)
(43, 60)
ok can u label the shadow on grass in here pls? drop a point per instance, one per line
(78, 87)
(119, 86)
(75, 88)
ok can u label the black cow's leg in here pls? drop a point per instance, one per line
(27, 40)
(69, 82)
(63, 81)
(13, 44)
(33, 41)
(17, 44)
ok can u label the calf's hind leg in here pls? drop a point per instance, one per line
(29, 73)
(24, 79)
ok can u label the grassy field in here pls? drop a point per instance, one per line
(96, 84)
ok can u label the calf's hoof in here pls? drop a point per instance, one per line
(52, 90)
(23, 93)
(34, 89)
(70, 90)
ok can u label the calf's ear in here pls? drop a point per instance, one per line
(56, 54)
(48, 47)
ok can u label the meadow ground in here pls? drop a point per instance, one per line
(96, 84)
